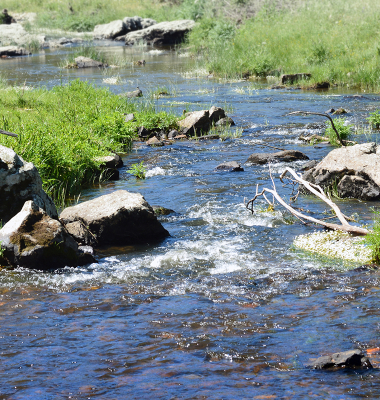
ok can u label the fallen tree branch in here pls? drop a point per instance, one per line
(8, 133)
(316, 190)
(322, 115)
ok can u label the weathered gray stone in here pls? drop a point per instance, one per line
(227, 121)
(119, 218)
(19, 182)
(281, 156)
(110, 30)
(155, 142)
(129, 117)
(359, 161)
(134, 93)
(352, 359)
(13, 51)
(216, 114)
(172, 134)
(32, 239)
(112, 161)
(231, 166)
(196, 123)
(172, 32)
(80, 233)
(86, 62)
(292, 78)
(15, 34)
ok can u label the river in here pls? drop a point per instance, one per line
(224, 308)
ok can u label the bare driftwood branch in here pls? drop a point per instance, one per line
(322, 115)
(318, 191)
(8, 133)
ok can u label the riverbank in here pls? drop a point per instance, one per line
(68, 130)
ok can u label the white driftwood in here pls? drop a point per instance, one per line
(318, 191)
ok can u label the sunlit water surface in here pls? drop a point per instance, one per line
(224, 308)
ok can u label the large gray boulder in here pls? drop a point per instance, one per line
(13, 51)
(135, 23)
(355, 171)
(32, 239)
(280, 156)
(196, 123)
(110, 30)
(19, 182)
(15, 34)
(172, 32)
(119, 218)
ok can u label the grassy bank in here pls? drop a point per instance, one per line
(335, 41)
(63, 131)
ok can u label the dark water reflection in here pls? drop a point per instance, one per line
(224, 308)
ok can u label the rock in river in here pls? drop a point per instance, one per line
(86, 62)
(32, 239)
(171, 32)
(19, 182)
(285, 156)
(119, 218)
(231, 166)
(13, 51)
(346, 359)
(355, 170)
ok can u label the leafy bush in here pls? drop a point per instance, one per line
(342, 127)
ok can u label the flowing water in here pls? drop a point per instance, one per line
(224, 308)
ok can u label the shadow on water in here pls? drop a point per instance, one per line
(224, 308)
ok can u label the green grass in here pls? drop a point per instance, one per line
(374, 119)
(63, 131)
(335, 41)
(138, 170)
(344, 129)
(372, 240)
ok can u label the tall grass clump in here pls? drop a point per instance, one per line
(65, 130)
(335, 41)
(344, 129)
(372, 239)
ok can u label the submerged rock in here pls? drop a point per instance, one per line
(355, 170)
(231, 166)
(284, 156)
(172, 32)
(32, 239)
(119, 218)
(19, 182)
(352, 359)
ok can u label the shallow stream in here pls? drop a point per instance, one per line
(225, 308)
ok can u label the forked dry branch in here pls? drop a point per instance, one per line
(296, 179)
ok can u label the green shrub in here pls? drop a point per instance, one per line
(343, 129)
(138, 170)
(374, 119)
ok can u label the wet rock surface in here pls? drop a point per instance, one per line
(284, 156)
(119, 218)
(355, 170)
(32, 239)
(19, 182)
(172, 32)
(352, 359)
(13, 51)
(231, 166)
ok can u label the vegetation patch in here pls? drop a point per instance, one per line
(335, 244)
(66, 130)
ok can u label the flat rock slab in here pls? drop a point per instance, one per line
(355, 170)
(172, 32)
(13, 51)
(119, 218)
(352, 359)
(281, 156)
(231, 166)
(86, 62)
